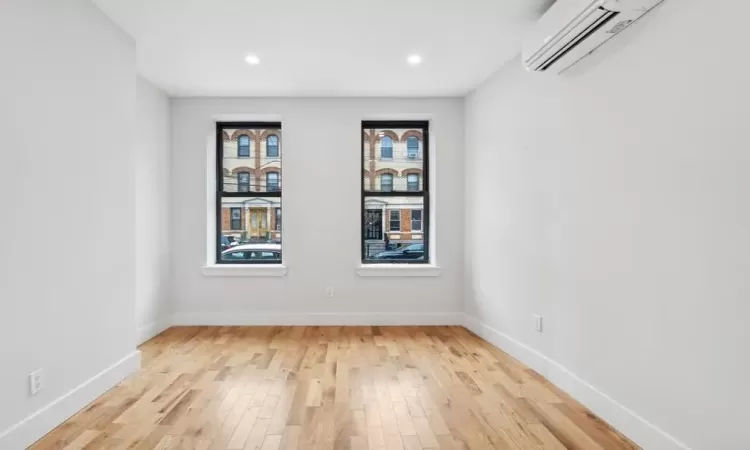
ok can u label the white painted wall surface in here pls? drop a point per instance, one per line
(614, 202)
(321, 216)
(67, 278)
(152, 164)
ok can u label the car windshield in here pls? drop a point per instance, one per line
(413, 247)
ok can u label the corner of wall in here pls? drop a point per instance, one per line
(35, 426)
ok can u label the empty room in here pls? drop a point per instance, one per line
(374, 225)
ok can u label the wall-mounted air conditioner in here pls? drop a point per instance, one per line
(571, 29)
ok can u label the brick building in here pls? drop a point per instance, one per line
(393, 161)
(252, 163)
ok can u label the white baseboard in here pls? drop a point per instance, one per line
(313, 319)
(35, 426)
(149, 330)
(639, 430)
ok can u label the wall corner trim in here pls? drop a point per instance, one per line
(636, 428)
(149, 330)
(44, 420)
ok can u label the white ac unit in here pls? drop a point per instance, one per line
(572, 29)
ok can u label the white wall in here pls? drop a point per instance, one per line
(152, 164)
(614, 202)
(67, 106)
(321, 216)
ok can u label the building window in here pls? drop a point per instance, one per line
(386, 147)
(246, 232)
(272, 146)
(394, 221)
(385, 196)
(243, 146)
(243, 182)
(412, 182)
(272, 181)
(386, 182)
(416, 220)
(236, 218)
(412, 147)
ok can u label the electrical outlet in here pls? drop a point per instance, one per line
(36, 381)
(330, 292)
(538, 323)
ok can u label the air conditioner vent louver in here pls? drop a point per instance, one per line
(594, 27)
(572, 29)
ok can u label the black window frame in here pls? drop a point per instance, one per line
(220, 194)
(423, 193)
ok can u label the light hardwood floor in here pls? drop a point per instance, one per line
(314, 388)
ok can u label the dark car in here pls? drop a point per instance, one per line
(413, 251)
(226, 242)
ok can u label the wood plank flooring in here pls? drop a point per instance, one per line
(319, 388)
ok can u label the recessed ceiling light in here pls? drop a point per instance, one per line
(414, 59)
(252, 59)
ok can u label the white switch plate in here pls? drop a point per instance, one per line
(538, 323)
(36, 381)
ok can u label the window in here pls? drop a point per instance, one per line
(416, 220)
(243, 146)
(386, 182)
(393, 190)
(272, 181)
(412, 147)
(394, 221)
(236, 218)
(272, 146)
(248, 207)
(386, 147)
(412, 182)
(243, 182)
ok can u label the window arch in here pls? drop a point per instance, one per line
(412, 147)
(386, 147)
(243, 182)
(386, 182)
(272, 146)
(412, 182)
(243, 146)
(272, 181)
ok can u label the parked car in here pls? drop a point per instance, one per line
(413, 251)
(252, 252)
(227, 242)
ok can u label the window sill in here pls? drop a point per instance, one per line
(244, 270)
(399, 270)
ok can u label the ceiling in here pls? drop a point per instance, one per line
(322, 47)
